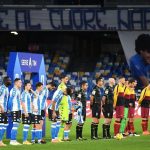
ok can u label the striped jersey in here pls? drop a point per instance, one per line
(15, 99)
(4, 94)
(26, 99)
(36, 104)
(43, 97)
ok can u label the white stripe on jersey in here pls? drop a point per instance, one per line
(26, 98)
(15, 95)
(4, 93)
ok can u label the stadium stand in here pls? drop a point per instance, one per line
(108, 65)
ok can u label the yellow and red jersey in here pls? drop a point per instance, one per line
(144, 100)
(127, 95)
(132, 97)
(119, 95)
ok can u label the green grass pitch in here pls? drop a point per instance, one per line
(129, 143)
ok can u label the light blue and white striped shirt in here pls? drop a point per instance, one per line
(4, 94)
(15, 99)
(43, 97)
(36, 104)
(26, 99)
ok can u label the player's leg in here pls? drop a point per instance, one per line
(95, 121)
(37, 134)
(14, 131)
(119, 116)
(67, 128)
(123, 121)
(79, 127)
(131, 129)
(94, 128)
(108, 114)
(2, 129)
(40, 130)
(107, 123)
(41, 125)
(58, 124)
(1, 137)
(33, 122)
(61, 131)
(26, 121)
(33, 134)
(144, 124)
(53, 125)
(64, 116)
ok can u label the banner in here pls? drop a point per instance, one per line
(30, 62)
(75, 19)
(26, 62)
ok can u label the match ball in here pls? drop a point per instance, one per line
(119, 136)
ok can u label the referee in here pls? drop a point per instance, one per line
(81, 98)
(95, 103)
(107, 107)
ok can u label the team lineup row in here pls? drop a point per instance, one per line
(29, 106)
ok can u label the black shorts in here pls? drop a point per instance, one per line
(16, 116)
(70, 119)
(2, 115)
(84, 114)
(50, 115)
(35, 119)
(107, 111)
(96, 110)
(42, 114)
(26, 120)
(4, 118)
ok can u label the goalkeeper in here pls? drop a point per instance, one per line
(64, 112)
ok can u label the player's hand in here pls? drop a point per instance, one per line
(91, 106)
(130, 104)
(35, 110)
(26, 115)
(73, 109)
(54, 115)
(114, 107)
(1, 110)
(138, 107)
(31, 90)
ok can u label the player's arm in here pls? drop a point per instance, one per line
(56, 99)
(53, 105)
(1, 106)
(78, 99)
(103, 100)
(91, 100)
(141, 97)
(34, 96)
(115, 96)
(23, 97)
(105, 95)
(33, 107)
(11, 99)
